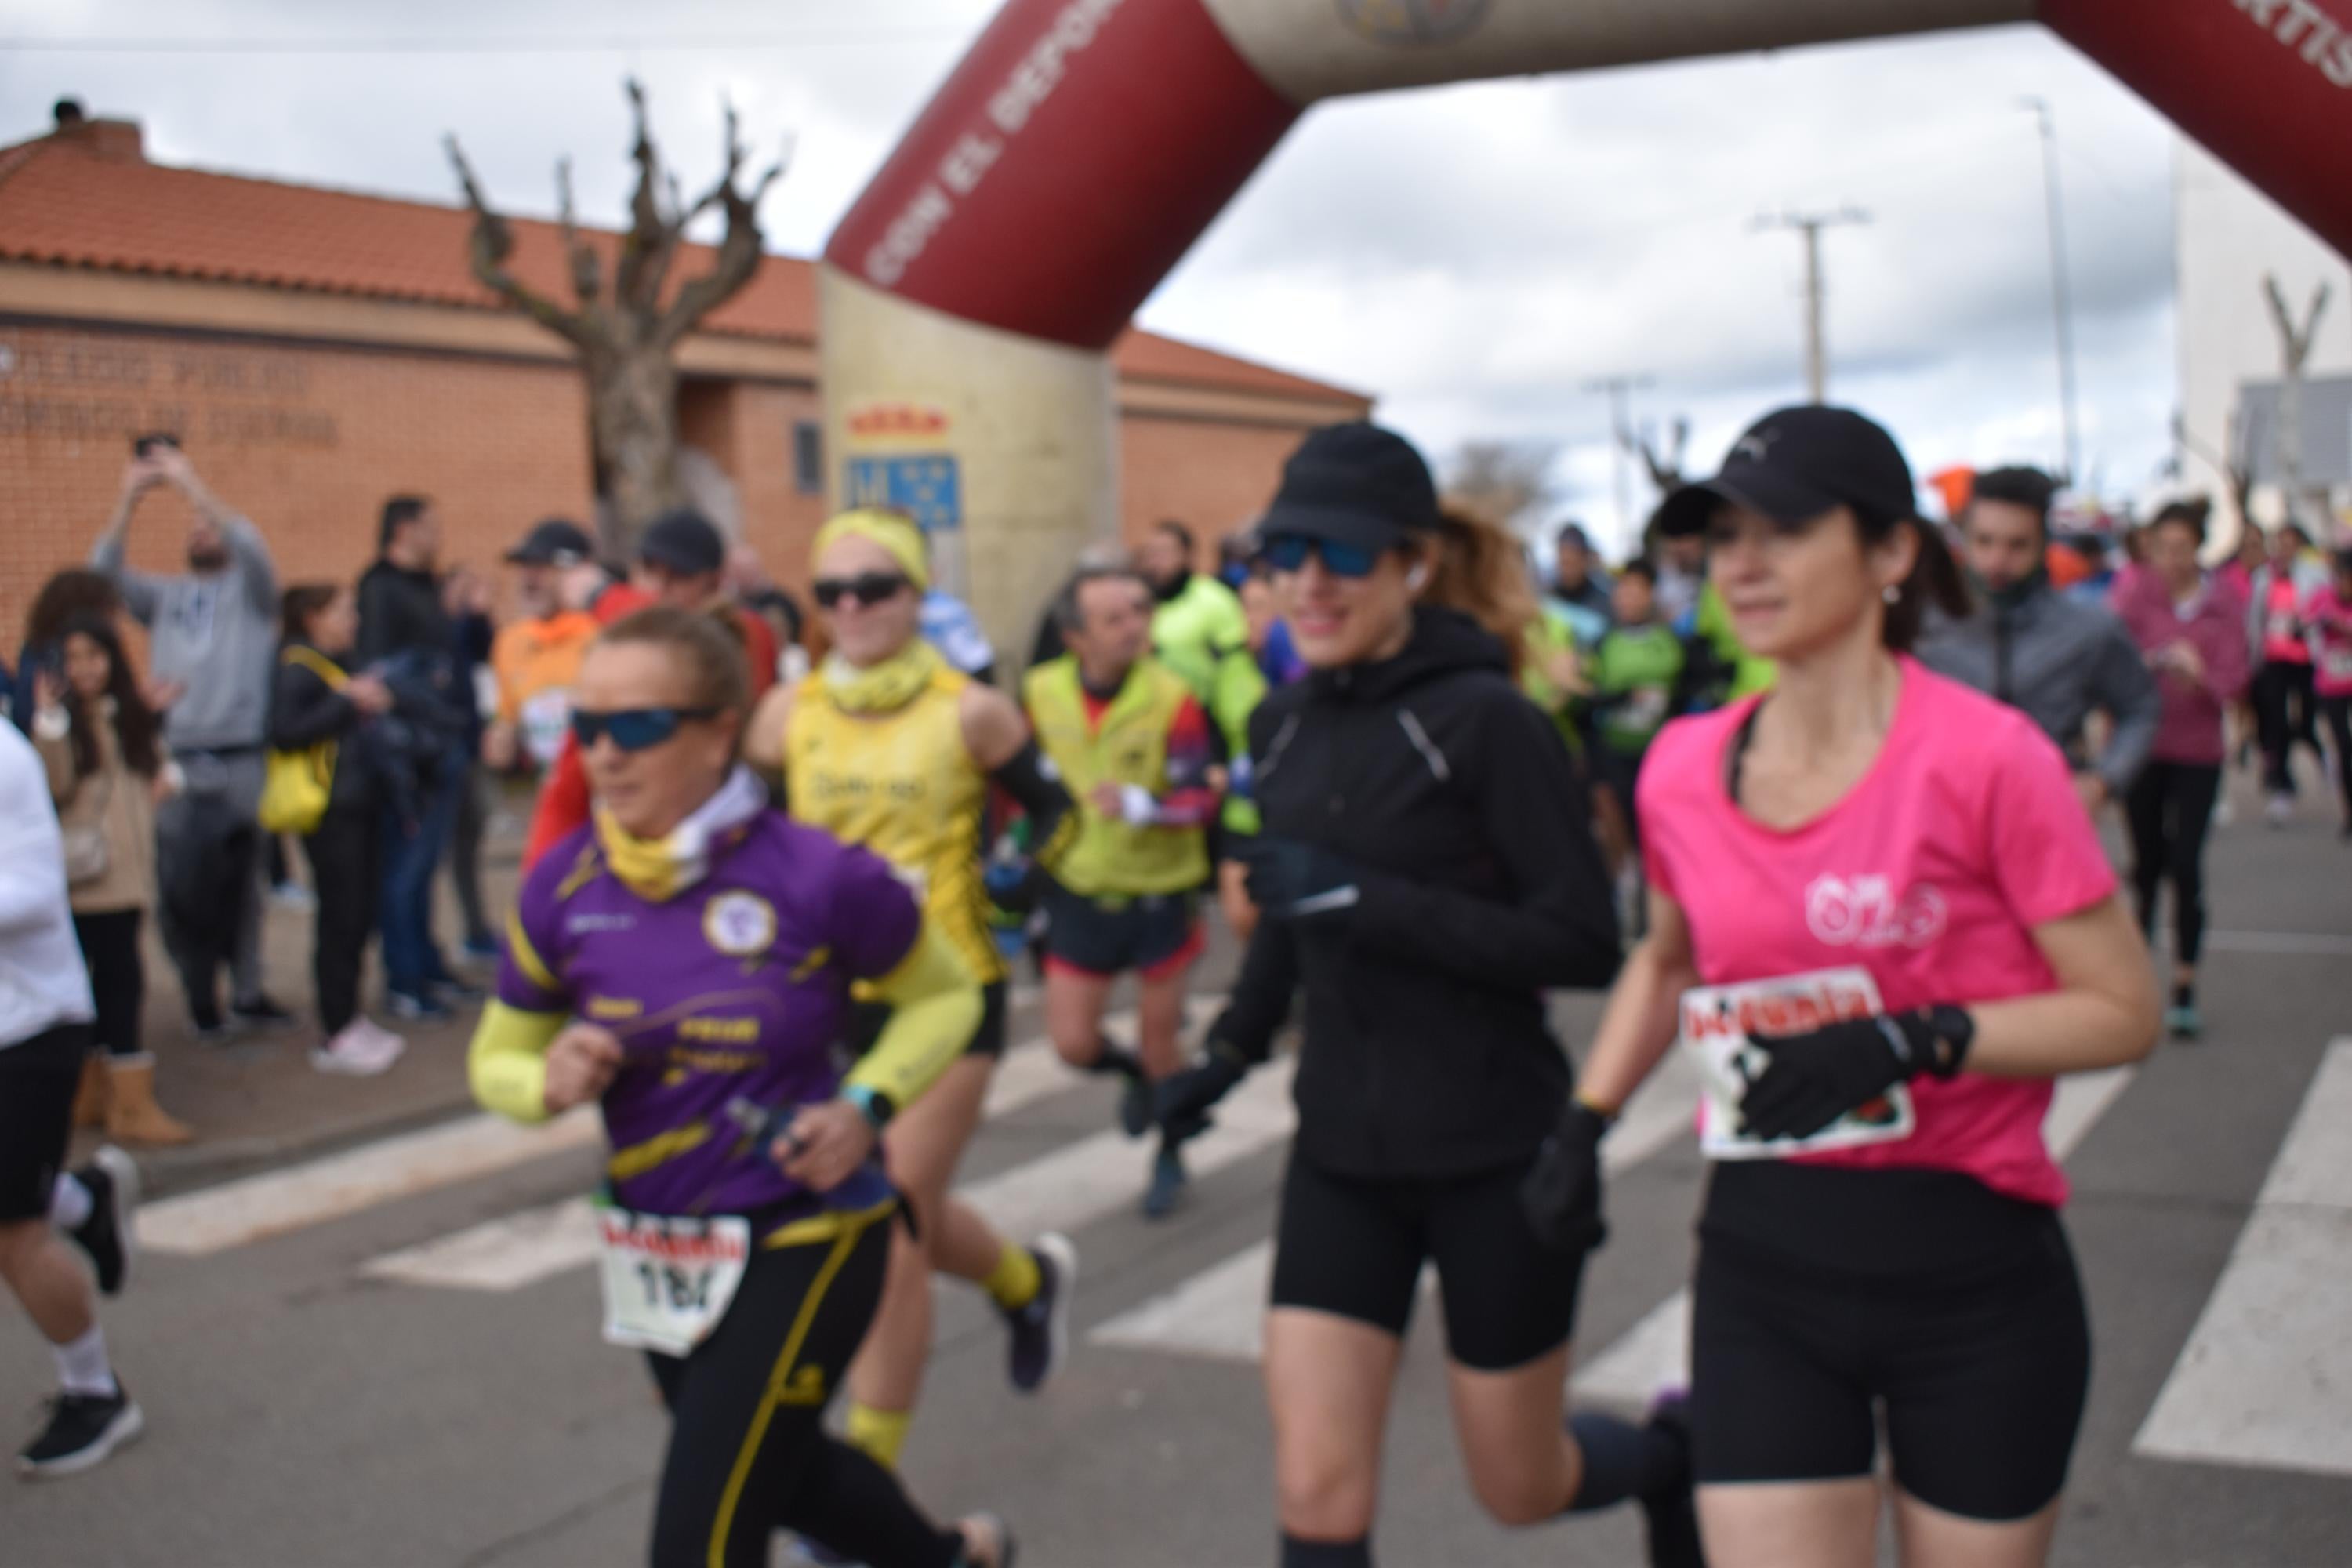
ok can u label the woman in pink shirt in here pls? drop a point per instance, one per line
(2191, 628)
(2329, 611)
(2286, 710)
(1882, 919)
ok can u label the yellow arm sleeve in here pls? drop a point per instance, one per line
(507, 1064)
(935, 1007)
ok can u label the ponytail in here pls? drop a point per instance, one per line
(1480, 570)
(1936, 580)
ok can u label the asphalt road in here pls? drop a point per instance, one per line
(310, 1403)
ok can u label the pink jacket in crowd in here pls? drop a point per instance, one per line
(2214, 623)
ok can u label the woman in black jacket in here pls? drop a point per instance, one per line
(1427, 870)
(313, 702)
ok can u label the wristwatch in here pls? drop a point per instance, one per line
(872, 1103)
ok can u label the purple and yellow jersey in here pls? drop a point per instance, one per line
(737, 987)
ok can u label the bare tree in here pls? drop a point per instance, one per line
(1501, 479)
(625, 327)
(1663, 463)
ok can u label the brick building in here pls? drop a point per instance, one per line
(319, 350)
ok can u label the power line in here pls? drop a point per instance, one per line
(608, 44)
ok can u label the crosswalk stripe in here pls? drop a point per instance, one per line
(238, 1212)
(1220, 1313)
(1654, 1354)
(1073, 1185)
(2262, 1379)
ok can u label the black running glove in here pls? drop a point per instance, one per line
(1182, 1102)
(1561, 1194)
(1293, 881)
(1816, 1078)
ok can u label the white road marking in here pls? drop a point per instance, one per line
(1220, 1312)
(2266, 1375)
(1654, 1354)
(1076, 1183)
(255, 1207)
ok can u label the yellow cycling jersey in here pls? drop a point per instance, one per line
(903, 784)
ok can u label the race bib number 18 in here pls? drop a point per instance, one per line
(1718, 1023)
(668, 1281)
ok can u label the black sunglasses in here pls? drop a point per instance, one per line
(867, 588)
(633, 729)
(1288, 552)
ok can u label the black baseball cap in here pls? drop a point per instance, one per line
(1353, 484)
(683, 541)
(556, 542)
(1794, 465)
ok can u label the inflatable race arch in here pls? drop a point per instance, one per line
(970, 296)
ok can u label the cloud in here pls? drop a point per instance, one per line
(1475, 255)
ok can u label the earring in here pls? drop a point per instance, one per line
(1891, 594)
(1416, 577)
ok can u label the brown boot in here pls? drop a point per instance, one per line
(90, 1099)
(133, 1117)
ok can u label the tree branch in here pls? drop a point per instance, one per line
(587, 268)
(739, 252)
(492, 244)
(649, 239)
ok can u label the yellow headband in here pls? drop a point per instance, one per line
(893, 533)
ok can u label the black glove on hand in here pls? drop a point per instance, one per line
(1293, 881)
(1815, 1079)
(1182, 1102)
(1561, 1195)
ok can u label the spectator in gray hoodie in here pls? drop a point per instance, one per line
(212, 646)
(2054, 660)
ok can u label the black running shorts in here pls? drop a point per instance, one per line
(1980, 1362)
(1154, 934)
(1354, 1248)
(867, 1018)
(37, 1080)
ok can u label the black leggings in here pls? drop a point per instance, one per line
(2285, 712)
(748, 1450)
(345, 867)
(2337, 711)
(118, 976)
(2169, 808)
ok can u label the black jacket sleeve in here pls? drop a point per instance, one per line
(1262, 995)
(382, 631)
(305, 710)
(1558, 926)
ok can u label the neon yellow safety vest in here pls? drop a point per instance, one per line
(1130, 746)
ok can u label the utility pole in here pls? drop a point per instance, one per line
(2061, 294)
(1810, 226)
(1621, 433)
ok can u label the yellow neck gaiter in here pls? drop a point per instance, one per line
(659, 870)
(882, 688)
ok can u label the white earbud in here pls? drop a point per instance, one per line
(1416, 578)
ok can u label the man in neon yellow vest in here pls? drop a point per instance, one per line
(1133, 747)
(1196, 621)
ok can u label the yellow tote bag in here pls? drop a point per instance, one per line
(296, 785)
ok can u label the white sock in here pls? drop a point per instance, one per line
(69, 1202)
(82, 1367)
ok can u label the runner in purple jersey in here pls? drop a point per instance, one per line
(686, 962)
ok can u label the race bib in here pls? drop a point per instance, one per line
(1717, 1022)
(2335, 661)
(546, 719)
(667, 1282)
(1645, 708)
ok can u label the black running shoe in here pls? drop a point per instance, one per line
(1166, 1192)
(211, 1029)
(1672, 1514)
(1040, 1331)
(82, 1430)
(258, 1012)
(107, 1234)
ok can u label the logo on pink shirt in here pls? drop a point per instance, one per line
(1862, 911)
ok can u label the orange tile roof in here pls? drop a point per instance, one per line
(64, 204)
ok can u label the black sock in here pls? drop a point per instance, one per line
(1623, 1460)
(1297, 1553)
(1116, 1059)
(2184, 993)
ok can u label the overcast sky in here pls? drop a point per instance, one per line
(1473, 256)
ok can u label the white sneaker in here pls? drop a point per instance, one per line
(355, 1054)
(2282, 810)
(384, 1039)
